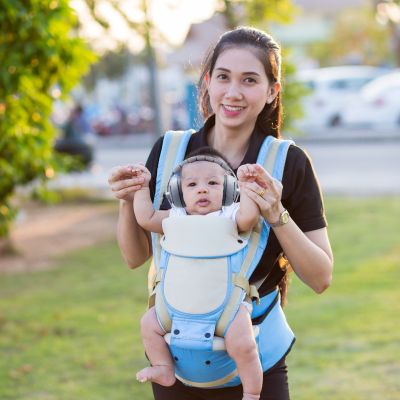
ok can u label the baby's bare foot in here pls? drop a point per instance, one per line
(248, 396)
(164, 375)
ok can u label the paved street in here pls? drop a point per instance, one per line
(365, 168)
(345, 165)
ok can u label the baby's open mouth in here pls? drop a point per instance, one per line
(203, 202)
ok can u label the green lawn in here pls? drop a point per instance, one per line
(73, 332)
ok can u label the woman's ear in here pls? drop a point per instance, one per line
(273, 91)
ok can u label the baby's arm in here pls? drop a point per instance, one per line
(248, 213)
(147, 217)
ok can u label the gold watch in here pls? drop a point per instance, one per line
(283, 219)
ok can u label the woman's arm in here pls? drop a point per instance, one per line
(133, 240)
(309, 253)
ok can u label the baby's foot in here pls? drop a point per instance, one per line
(248, 396)
(164, 375)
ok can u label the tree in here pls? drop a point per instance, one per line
(357, 37)
(111, 65)
(388, 13)
(145, 30)
(40, 58)
(257, 12)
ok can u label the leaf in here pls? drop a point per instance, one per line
(38, 49)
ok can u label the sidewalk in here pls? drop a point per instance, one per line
(339, 134)
(336, 134)
(43, 233)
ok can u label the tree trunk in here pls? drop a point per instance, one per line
(395, 36)
(7, 247)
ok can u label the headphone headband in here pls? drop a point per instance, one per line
(213, 159)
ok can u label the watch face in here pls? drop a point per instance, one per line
(285, 217)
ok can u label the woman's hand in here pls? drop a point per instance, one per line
(247, 173)
(266, 192)
(126, 180)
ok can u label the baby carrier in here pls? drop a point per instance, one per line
(201, 276)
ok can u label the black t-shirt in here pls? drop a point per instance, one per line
(301, 196)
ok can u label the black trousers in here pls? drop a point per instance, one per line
(275, 387)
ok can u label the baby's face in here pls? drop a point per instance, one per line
(202, 187)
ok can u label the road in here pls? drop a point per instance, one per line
(357, 168)
(350, 167)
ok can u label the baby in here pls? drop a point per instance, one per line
(202, 188)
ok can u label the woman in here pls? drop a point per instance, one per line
(239, 93)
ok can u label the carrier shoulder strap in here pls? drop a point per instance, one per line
(272, 156)
(172, 153)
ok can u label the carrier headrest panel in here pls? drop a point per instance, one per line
(201, 236)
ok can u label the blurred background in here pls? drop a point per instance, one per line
(86, 85)
(100, 79)
(145, 78)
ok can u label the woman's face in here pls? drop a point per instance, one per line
(239, 88)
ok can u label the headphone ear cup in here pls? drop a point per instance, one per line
(174, 191)
(231, 190)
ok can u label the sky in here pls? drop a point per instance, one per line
(172, 18)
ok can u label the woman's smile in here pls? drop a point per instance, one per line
(232, 111)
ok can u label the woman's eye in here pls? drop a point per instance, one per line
(250, 80)
(222, 77)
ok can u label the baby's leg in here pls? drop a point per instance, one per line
(162, 369)
(242, 347)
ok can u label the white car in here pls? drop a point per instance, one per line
(330, 88)
(378, 104)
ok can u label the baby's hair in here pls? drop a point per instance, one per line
(209, 151)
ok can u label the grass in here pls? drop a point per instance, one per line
(73, 332)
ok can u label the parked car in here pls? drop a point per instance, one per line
(378, 104)
(329, 88)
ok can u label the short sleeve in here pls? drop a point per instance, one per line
(230, 211)
(152, 164)
(301, 191)
(177, 212)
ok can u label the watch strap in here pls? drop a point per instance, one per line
(281, 220)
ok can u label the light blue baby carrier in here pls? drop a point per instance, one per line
(197, 289)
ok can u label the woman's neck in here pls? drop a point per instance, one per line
(233, 144)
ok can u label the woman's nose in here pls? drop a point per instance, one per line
(233, 91)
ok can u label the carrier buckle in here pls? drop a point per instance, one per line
(243, 283)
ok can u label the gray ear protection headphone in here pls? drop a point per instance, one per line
(174, 188)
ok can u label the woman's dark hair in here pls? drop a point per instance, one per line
(268, 52)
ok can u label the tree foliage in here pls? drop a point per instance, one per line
(111, 65)
(38, 54)
(357, 37)
(388, 14)
(254, 12)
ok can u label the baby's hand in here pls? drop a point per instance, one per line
(247, 173)
(141, 171)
